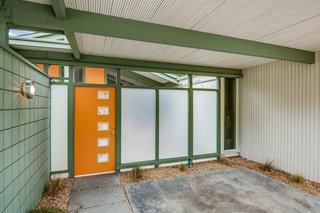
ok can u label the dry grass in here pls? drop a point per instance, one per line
(297, 178)
(223, 159)
(183, 167)
(56, 195)
(173, 171)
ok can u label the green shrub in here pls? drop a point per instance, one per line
(223, 160)
(48, 210)
(297, 179)
(136, 172)
(267, 166)
(182, 167)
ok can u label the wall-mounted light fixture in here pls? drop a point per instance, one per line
(28, 89)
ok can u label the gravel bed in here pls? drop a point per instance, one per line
(311, 187)
(172, 171)
(59, 200)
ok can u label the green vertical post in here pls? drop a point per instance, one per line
(46, 68)
(234, 109)
(71, 124)
(83, 75)
(219, 120)
(190, 123)
(61, 71)
(4, 33)
(106, 76)
(157, 127)
(118, 121)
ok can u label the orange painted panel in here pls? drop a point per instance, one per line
(94, 75)
(86, 132)
(54, 71)
(40, 66)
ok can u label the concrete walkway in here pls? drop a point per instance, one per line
(229, 190)
(100, 193)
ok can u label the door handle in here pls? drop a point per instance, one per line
(113, 133)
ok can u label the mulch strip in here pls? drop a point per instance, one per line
(59, 200)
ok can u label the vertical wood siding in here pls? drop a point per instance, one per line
(280, 116)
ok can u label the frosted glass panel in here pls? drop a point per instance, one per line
(59, 127)
(138, 118)
(204, 122)
(173, 119)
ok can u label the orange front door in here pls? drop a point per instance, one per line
(94, 130)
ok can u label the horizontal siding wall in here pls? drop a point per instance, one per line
(24, 134)
(280, 116)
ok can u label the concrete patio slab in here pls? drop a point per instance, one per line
(95, 181)
(113, 208)
(99, 193)
(230, 190)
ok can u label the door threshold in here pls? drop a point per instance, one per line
(101, 173)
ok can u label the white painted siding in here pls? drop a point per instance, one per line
(280, 116)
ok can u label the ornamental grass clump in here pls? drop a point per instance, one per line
(182, 167)
(267, 166)
(136, 172)
(223, 160)
(297, 179)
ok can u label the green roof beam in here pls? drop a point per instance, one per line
(129, 64)
(73, 44)
(38, 15)
(59, 8)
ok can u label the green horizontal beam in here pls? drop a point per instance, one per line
(38, 15)
(152, 162)
(204, 156)
(131, 64)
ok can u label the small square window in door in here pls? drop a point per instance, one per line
(103, 110)
(102, 158)
(103, 126)
(103, 142)
(103, 95)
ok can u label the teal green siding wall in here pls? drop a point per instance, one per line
(24, 134)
